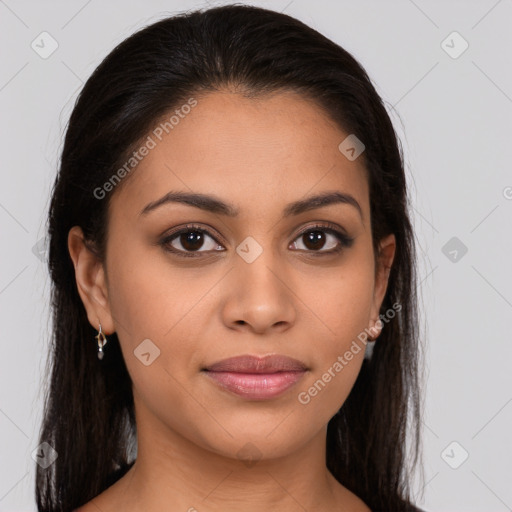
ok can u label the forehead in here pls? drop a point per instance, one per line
(253, 152)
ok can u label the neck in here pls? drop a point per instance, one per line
(172, 473)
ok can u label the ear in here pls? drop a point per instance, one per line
(91, 282)
(385, 257)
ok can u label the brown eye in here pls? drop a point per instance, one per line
(322, 240)
(190, 240)
(314, 240)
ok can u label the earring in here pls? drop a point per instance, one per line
(370, 346)
(376, 329)
(102, 340)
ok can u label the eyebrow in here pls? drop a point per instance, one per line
(214, 205)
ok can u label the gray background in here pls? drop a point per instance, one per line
(454, 117)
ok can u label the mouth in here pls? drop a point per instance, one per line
(256, 378)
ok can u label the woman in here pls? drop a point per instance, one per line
(228, 230)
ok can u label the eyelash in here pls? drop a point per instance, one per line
(345, 241)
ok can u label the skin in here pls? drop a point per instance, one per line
(258, 155)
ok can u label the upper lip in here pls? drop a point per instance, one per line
(258, 364)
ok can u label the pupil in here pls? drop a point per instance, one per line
(192, 240)
(315, 239)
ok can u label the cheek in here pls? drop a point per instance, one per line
(147, 297)
(339, 356)
(151, 300)
(342, 305)
(340, 299)
(150, 311)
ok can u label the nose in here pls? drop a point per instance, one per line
(259, 298)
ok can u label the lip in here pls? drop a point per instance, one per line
(257, 364)
(255, 377)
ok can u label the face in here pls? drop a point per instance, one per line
(186, 287)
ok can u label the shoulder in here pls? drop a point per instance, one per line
(88, 507)
(95, 505)
(100, 503)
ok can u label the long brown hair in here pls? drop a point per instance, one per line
(89, 410)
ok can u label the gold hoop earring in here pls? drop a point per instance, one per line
(102, 341)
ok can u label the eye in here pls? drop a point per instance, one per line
(328, 238)
(192, 240)
(189, 240)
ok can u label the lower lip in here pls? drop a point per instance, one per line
(256, 386)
